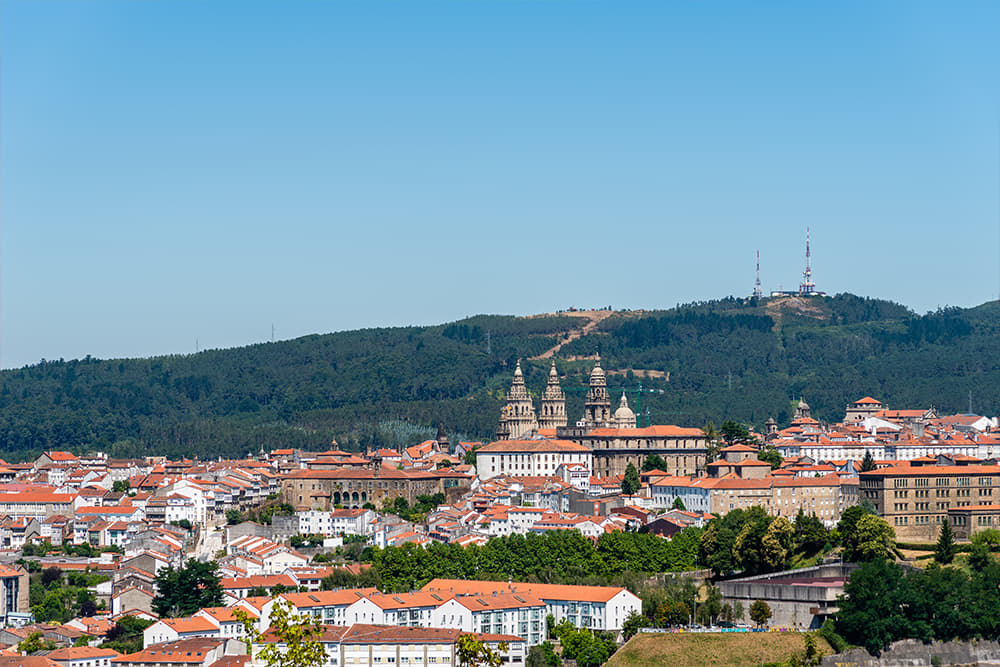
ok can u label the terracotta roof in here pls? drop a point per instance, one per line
(538, 445)
(184, 651)
(541, 591)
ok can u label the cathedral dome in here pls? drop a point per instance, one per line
(598, 372)
(624, 412)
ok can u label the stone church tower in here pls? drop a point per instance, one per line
(597, 409)
(801, 410)
(518, 417)
(553, 413)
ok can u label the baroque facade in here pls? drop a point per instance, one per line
(613, 437)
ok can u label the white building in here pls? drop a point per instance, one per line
(337, 522)
(595, 607)
(502, 613)
(530, 458)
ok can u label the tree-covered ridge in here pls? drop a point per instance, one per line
(728, 359)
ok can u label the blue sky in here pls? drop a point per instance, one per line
(182, 173)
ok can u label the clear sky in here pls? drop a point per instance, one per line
(176, 173)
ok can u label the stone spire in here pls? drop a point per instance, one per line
(553, 413)
(520, 412)
(597, 408)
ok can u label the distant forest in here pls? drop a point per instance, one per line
(727, 359)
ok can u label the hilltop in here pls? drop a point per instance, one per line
(716, 360)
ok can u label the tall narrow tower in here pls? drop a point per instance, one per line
(553, 413)
(808, 286)
(518, 416)
(597, 407)
(757, 291)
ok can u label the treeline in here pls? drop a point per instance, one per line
(755, 542)
(728, 359)
(883, 602)
(555, 557)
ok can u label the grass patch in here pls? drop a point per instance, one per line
(724, 649)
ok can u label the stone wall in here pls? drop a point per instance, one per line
(914, 653)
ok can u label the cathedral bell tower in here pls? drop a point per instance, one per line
(519, 414)
(597, 409)
(553, 413)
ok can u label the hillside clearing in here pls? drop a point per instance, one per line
(734, 649)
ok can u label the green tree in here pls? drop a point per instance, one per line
(678, 504)
(760, 612)
(873, 611)
(543, 655)
(776, 545)
(727, 614)
(630, 482)
(868, 462)
(121, 486)
(475, 653)
(654, 462)
(183, 591)
(34, 642)
(50, 576)
(125, 636)
(233, 517)
(712, 439)
(770, 455)
(470, 457)
(735, 433)
(810, 534)
(875, 538)
(847, 527)
(633, 622)
(291, 640)
(945, 549)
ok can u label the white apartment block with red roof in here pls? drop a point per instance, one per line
(693, 492)
(508, 613)
(410, 609)
(595, 607)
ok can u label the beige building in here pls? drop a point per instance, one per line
(826, 497)
(915, 499)
(971, 519)
(352, 488)
(862, 409)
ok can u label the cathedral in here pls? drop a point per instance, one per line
(518, 419)
(614, 437)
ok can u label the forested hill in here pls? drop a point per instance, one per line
(727, 359)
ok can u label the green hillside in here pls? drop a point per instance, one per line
(725, 359)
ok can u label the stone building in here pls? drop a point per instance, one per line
(916, 499)
(352, 488)
(613, 438)
(517, 419)
(553, 414)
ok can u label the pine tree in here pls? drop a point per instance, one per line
(868, 462)
(944, 551)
